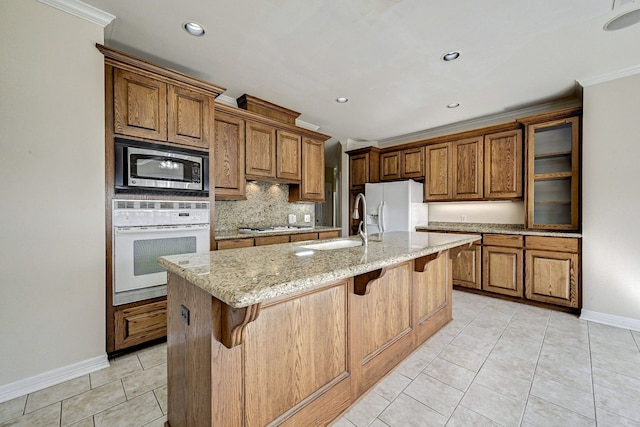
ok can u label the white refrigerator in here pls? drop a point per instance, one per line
(395, 206)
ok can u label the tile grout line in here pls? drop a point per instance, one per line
(593, 383)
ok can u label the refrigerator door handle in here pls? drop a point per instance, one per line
(381, 217)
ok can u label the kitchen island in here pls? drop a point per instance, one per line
(293, 335)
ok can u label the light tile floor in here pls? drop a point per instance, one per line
(496, 364)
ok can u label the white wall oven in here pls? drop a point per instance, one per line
(144, 230)
(142, 167)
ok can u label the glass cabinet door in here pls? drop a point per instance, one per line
(553, 181)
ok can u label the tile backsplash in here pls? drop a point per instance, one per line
(267, 204)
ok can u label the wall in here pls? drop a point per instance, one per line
(479, 212)
(610, 204)
(267, 204)
(52, 303)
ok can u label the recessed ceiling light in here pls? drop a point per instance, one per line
(453, 105)
(624, 20)
(342, 100)
(194, 29)
(450, 56)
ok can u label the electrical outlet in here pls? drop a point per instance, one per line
(307, 218)
(184, 313)
(463, 218)
(292, 218)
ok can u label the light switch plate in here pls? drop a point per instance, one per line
(292, 218)
(307, 218)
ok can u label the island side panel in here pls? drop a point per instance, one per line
(381, 326)
(296, 366)
(432, 297)
(204, 377)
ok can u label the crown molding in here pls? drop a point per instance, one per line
(227, 100)
(479, 122)
(307, 125)
(614, 75)
(82, 10)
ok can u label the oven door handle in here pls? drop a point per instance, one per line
(156, 229)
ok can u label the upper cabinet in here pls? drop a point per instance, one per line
(229, 157)
(402, 164)
(152, 108)
(553, 179)
(503, 165)
(289, 155)
(467, 169)
(260, 151)
(364, 166)
(311, 188)
(437, 183)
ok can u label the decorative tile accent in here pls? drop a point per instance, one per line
(267, 204)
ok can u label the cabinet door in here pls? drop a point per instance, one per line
(188, 119)
(358, 171)
(552, 277)
(503, 165)
(390, 166)
(140, 324)
(437, 184)
(502, 270)
(412, 163)
(229, 157)
(288, 153)
(312, 185)
(468, 172)
(140, 106)
(467, 268)
(260, 151)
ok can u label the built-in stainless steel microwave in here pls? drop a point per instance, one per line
(143, 167)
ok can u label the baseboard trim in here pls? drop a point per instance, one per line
(53, 377)
(610, 319)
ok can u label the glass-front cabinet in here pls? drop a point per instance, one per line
(553, 174)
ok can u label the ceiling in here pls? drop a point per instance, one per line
(384, 55)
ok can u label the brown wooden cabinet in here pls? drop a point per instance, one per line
(552, 270)
(437, 183)
(260, 151)
(311, 188)
(467, 267)
(229, 157)
(149, 108)
(502, 261)
(390, 166)
(553, 174)
(364, 166)
(139, 324)
(140, 105)
(503, 165)
(288, 155)
(467, 170)
(272, 240)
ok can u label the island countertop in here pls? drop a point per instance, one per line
(248, 276)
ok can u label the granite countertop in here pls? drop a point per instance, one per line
(470, 227)
(228, 235)
(247, 276)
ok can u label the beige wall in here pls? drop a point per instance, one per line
(52, 266)
(611, 198)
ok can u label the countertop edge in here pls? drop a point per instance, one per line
(233, 235)
(495, 229)
(241, 300)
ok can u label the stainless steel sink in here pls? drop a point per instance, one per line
(334, 244)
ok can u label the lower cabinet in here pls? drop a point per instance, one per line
(139, 324)
(552, 270)
(467, 267)
(502, 257)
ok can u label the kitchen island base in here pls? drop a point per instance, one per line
(300, 359)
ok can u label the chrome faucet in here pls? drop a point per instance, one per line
(362, 228)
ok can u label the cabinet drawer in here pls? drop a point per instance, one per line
(140, 324)
(234, 243)
(271, 240)
(506, 240)
(328, 234)
(303, 236)
(558, 244)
